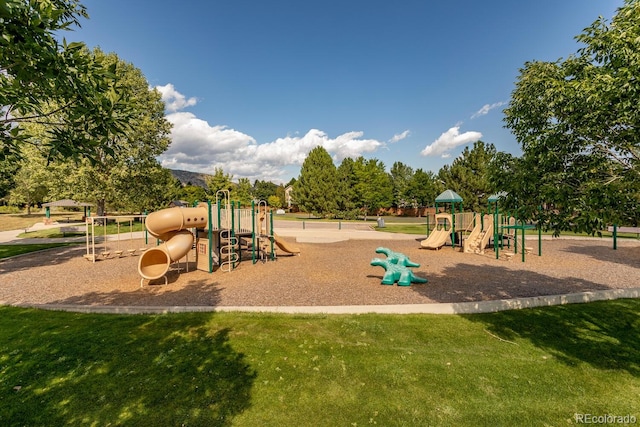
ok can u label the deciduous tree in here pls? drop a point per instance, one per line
(58, 84)
(401, 176)
(468, 175)
(577, 122)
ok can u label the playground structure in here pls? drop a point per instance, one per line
(396, 267)
(479, 238)
(220, 232)
(110, 247)
(440, 234)
(474, 232)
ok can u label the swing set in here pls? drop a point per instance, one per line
(101, 245)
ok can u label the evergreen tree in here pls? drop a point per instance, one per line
(468, 175)
(316, 189)
(347, 195)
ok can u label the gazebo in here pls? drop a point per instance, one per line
(450, 196)
(65, 203)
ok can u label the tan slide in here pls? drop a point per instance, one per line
(171, 226)
(479, 237)
(284, 245)
(440, 234)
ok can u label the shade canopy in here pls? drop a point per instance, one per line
(495, 197)
(449, 196)
(66, 203)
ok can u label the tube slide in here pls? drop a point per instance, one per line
(170, 225)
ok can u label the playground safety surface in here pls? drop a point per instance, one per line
(335, 274)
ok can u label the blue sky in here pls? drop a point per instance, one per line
(252, 86)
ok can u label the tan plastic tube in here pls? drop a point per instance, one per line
(170, 225)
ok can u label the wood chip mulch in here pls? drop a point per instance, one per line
(324, 274)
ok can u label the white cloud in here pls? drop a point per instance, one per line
(400, 136)
(449, 140)
(174, 100)
(486, 108)
(200, 147)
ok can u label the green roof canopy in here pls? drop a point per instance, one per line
(449, 196)
(495, 197)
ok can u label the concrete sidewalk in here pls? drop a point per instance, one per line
(11, 237)
(318, 233)
(434, 308)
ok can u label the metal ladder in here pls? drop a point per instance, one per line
(228, 255)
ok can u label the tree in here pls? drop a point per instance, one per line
(468, 175)
(282, 195)
(127, 178)
(401, 176)
(347, 196)
(192, 193)
(577, 122)
(315, 191)
(60, 85)
(263, 189)
(374, 187)
(9, 166)
(30, 182)
(274, 201)
(219, 181)
(423, 189)
(242, 192)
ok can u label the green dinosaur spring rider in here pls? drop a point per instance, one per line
(397, 268)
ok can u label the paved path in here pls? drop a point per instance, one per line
(317, 232)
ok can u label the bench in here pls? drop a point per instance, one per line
(65, 230)
(634, 230)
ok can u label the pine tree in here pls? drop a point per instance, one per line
(316, 189)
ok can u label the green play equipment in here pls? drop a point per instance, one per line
(499, 228)
(450, 196)
(397, 268)
(397, 257)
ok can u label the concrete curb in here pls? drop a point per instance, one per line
(435, 308)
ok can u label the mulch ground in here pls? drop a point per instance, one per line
(324, 274)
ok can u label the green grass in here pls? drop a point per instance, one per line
(7, 251)
(527, 367)
(404, 228)
(53, 233)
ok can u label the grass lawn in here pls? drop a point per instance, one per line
(112, 228)
(526, 367)
(7, 251)
(11, 221)
(404, 228)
